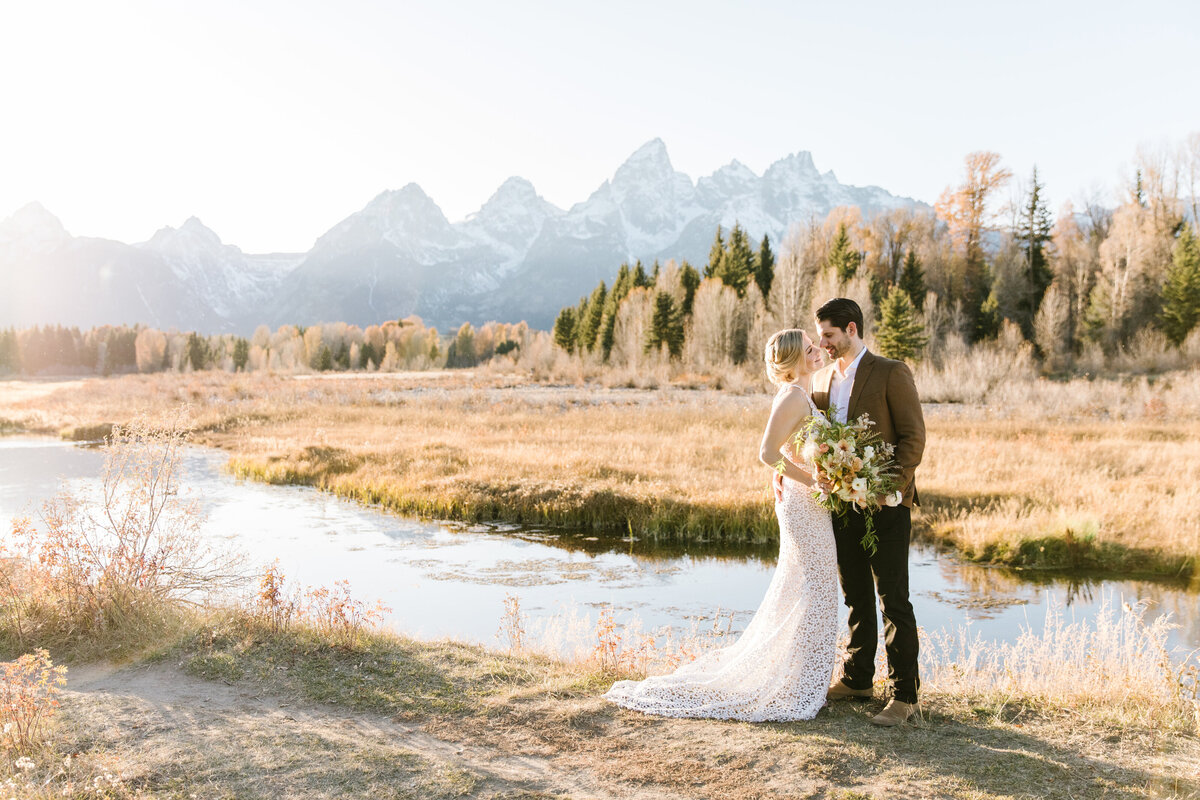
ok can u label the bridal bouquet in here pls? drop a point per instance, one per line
(855, 460)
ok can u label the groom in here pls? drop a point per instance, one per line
(859, 382)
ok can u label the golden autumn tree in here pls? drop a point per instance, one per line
(965, 211)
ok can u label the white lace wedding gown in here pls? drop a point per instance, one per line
(779, 669)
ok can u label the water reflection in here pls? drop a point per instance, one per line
(450, 579)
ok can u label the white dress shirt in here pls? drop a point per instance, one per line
(842, 385)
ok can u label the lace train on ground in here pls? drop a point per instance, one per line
(780, 667)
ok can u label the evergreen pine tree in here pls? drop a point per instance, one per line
(589, 325)
(655, 273)
(564, 329)
(737, 265)
(197, 352)
(716, 254)
(689, 278)
(764, 267)
(581, 315)
(666, 326)
(912, 279)
(464, 346)
(1033, 233)
(241, 354)
(608, 328)
(367, 355)
(843, 258)
(623, 283)
(121, 353)
(987, 321)
(899, 334)
(325, 359)
(639, 276)
(1181, 294)
(64, 347)
(878, 288)
(9, 357)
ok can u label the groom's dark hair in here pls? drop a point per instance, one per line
(840, 312)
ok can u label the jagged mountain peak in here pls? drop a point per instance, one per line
(515, 191)
(515, 196)
(517, 257)
(653, 151)
(407, 210)
(34, 225)
(798, 163)
(512, 217)
(649, 159)
(732, 180)
(737, 169)
(192, 234)
(409, 195)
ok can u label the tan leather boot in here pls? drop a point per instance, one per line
(895, 713)
(840, 691)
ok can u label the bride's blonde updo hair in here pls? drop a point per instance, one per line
(784, 356)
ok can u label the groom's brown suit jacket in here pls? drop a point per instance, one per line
(884, 390)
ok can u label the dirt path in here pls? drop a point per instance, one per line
(177, 736)
(170, 732)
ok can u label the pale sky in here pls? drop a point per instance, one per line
(272, 121)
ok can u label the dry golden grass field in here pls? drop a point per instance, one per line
(1097, 474)
(239, 701)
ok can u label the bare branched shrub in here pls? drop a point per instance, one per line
(98, 563)
(512, 624)
(274, 604)
(335, 613)
(1051, 329)
(608, 642)
(800, 261)
(29, 689)
(713, 326)
(339, 616)
(962, 374)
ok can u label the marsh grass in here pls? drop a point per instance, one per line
(1115, 496)
(1115, 667)
(1073, 711)
(1079, 473)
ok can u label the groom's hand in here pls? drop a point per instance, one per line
(777, 485)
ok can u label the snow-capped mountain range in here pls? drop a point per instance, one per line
(518, 257)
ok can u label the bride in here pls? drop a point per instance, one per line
(780, 667)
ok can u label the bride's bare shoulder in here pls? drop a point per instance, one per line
(791, 395)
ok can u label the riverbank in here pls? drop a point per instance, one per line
(231, 710)
(1069, 480)
(284, 690)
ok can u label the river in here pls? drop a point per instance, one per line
(450, 580)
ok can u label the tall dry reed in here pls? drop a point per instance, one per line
(108, 567)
